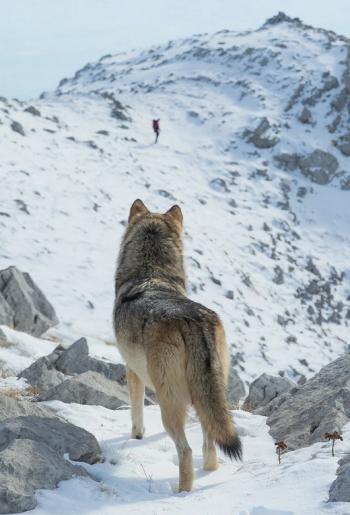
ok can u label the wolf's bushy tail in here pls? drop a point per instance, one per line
(208, 391)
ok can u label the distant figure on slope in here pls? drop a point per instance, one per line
(155, 125)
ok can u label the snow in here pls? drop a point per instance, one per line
(142, 475)
(77, 187)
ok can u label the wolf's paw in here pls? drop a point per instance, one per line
(137, 433)
(210, 466)
(210, 461)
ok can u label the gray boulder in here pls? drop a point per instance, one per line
(319, 166)
(260, 137)
(76, 360)
(340, 488)
(305, 116)
(320, 405)
(344, 144)
(42, 374)
(27, 465)
(10, 408)
(55, 433)
(32, 312)
(345, 183)
(287, 162)
(235, 388)
(32, 110)
(18, 127)
(89, 388)
(6, 313)
(264, 389)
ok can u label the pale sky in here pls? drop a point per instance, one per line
(42, 41)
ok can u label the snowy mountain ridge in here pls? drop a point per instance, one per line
(254, 147)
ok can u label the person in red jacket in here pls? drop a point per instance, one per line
(156, 129)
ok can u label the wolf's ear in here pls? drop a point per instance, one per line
(137, 209)
(175, 213)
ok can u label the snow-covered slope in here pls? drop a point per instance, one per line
(266, 217)
(141, 475)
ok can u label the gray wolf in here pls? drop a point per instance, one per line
(170, 344)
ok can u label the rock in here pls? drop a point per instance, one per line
(345, 183)
(344, 144)
(32, 311)
(76, 360)
(42, 374)
(305, 116)
(3, 337)
(10, 408)
(281, 17)
(17, 127)
(6, 313)
(219, 185)
(32, 110)
(278, 277)
(287, 162)
(264, 389)
(319, 166)
(53, 432)
(27, 465)
(89, 388)
(259, 138)
(235, 388)
(340, 488)
(320, 405)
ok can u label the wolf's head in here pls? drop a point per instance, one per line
(172, 218)
(151, 248)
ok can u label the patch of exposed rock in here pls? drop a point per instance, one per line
(23, 305)
(33, 444)
(261, 136)
(340, 488)
(89, 388)
(305, 413)
(319, 166)
(264, 389)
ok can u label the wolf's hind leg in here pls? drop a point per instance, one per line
(210, 461)
(174, 417)
(136, 394)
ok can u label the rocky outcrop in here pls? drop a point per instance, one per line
(6, 312)
(340, 488)
(28, 309)
(344, 144)
(264, 389)
(76, 360)
(49, 371)
(305, 116)
(42, 374)
(345, 183)
(319, 166)
(235, 388)
(89, 388)
(260, 137)
(303, 415)
(17, 127)
(10, 408)
(53, 432)
(33, 445)
(32, 110)
(28, 465)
